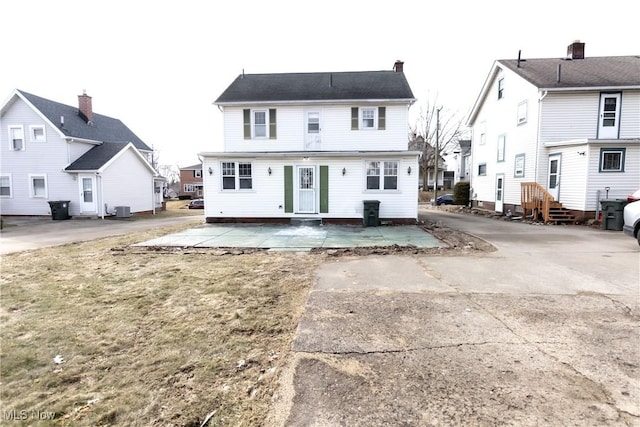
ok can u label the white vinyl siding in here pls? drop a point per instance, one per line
(336, 130)
(569, 116)
(346, 192)
(630, 115)
(126, 183)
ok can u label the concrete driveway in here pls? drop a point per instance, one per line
(24, 233)
(544, 331)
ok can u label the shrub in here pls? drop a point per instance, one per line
(461, 193)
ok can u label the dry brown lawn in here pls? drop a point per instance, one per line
(146, 338)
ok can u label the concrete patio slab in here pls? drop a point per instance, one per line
(295, 238)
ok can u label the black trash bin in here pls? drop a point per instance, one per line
(371, 213)
(59, 209)
(612, 214)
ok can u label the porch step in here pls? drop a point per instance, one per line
(560, 214)
(308, 222)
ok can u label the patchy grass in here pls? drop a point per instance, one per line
(147, 338)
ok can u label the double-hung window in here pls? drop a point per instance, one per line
(612, 159)
(197, 173)
(189, 188)
(259, 124)
(38, 186)
(382, 175)
(5, 185)
(237, 175)
(16, 138)
(501, 88)
(368, 118)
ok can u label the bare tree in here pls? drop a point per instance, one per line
(424, 132)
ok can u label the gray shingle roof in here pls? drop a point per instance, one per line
(104, 128)
(605, 71)
(97, 157)
(363, 85)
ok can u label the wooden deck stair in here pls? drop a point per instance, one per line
(536, 199)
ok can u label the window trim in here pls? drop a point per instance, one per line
(603, 151)
(197, 173)
(32, 137)
(10, 137)
(382, 175)
(522, 112)
(501, 88)
(479, 169)
(189, 188)
(266, 123)
(236, 175)
(32, 194)
(361, 119)
(10, 195)
(516, 173)
(502, 146)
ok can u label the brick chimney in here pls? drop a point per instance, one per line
(85, 107)
(575, 50)
(398, 66)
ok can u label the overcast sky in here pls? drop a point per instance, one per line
(159, 65)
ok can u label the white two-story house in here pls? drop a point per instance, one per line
(52, 152)
(557, 134)
(314, 146)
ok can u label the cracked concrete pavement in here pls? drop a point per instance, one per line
(544, 331)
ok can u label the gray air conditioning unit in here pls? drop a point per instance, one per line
(123, 211)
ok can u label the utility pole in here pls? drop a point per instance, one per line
(435, 164)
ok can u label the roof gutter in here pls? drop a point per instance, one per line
(318, 101)
(308, 154)
(588, 88)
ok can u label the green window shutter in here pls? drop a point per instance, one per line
(354, 118)
(324, 189)
(272, 123)
(382, 120)
(247, 123)
(288, 188)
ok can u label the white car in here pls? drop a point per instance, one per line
(631, 216)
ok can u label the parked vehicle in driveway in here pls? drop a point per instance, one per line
(631, 216)
(445, 199)
(196, 204)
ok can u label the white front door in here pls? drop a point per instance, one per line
(499, 192)
(553, 183)
(609, 116)
(87, 193)
(313, 130)
(306, 189)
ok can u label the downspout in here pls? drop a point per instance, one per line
(535, 163)
(101, 198)
(153, 195)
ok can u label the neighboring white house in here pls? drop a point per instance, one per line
(54, 152)
(570, 126)
(313, 145)
(459, 161)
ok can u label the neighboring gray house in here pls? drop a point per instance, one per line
(51, 152)
(313, 145)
